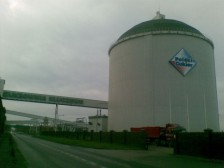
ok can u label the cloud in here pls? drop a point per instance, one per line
(61, 47)
(52, 48)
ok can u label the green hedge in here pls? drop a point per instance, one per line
(125, 138)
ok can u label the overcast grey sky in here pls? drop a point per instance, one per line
(60, 47)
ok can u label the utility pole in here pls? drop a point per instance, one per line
(56, 118)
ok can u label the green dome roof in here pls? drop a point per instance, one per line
(160, 25)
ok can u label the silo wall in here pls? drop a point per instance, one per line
(146, 90)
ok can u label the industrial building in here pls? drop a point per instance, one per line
(162, 71)
(98, 123)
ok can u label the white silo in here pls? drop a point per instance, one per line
(162, 71)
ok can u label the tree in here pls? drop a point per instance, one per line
(2, 117)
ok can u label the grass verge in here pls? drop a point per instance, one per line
(87, 144)
(10, 156)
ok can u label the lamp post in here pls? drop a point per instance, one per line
(98, 115)
(97, 118)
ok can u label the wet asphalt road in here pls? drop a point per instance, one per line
(44, 154)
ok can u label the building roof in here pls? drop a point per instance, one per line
(160, 25)
(98, 117)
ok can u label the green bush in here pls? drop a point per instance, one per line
(2, 117)
(10, 155)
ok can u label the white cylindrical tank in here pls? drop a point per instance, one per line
(162, 71)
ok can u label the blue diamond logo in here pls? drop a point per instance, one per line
(183, 62)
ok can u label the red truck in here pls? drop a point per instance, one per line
(160, 135)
